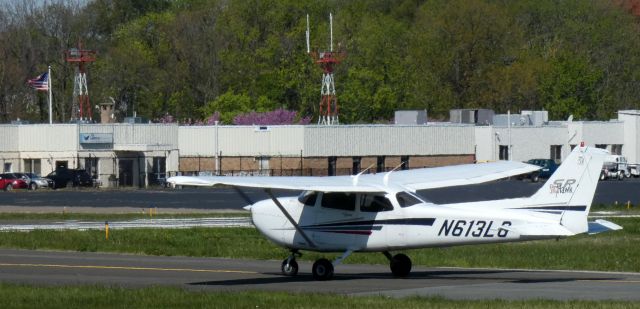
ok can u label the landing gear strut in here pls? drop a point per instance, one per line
(400, 264)
(289, 266)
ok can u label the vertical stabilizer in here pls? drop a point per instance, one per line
(572, 187)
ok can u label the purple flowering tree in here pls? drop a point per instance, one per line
(277, 117)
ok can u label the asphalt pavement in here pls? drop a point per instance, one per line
(208, 199)
(216, 274)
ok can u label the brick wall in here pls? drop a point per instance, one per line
(316, 166)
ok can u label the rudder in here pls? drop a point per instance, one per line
(572, 187)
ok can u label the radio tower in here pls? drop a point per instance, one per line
(327, 61)
(81, 108)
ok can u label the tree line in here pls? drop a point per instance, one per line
(192, 58)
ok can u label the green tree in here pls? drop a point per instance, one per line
(229, 105)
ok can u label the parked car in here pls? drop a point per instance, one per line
(33, 181)
(9, 181)
(548, 167)
(65, 178)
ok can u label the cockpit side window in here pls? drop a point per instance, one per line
(308, 198)
(339, 200)
(374, 203)
(405, 199)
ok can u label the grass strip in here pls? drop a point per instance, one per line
(612, 251)
(23, 296)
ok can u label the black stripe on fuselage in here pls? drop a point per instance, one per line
(406, 221)
(570, 208)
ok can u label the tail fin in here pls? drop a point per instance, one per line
(571, 188)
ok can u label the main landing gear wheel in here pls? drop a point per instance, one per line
(289, 267)
(322, 270)
(400, 265)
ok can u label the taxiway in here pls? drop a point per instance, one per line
(72, 268)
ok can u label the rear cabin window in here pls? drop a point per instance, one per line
(339, 200)
(374, 203)
(308, 198)
(405, 199)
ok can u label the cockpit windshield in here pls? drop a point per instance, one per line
(308, 198)
(406, 199)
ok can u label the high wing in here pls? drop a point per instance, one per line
(459, 175)
(417, 179)
(325, 184)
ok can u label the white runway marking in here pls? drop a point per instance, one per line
(129, 224)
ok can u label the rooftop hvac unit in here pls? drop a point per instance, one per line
(410, 117)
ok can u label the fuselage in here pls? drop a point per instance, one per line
(392, 221)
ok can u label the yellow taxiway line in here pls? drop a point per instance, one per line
(128, 268)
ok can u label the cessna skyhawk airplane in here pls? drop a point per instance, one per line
(382, 212)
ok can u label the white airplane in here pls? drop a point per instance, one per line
(382, 213)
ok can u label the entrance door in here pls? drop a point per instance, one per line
(125, 172)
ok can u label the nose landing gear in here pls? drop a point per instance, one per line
(289, 266)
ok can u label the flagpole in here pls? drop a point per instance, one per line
(50, 98)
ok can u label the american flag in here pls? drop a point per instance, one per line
(41, 82)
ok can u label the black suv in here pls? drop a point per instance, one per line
(64, 178)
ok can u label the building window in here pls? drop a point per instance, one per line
(380, 164)
(556, 153)
(356, 165)
(405, 162)
(91, 166)
(7, 167)
(601, 146)
(503, 153)
(32, 166)
(158, 171)
(332, 166)
(573, 146)
(616, 149)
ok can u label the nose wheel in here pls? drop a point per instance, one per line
(289, 266)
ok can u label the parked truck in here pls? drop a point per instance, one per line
(616, 167)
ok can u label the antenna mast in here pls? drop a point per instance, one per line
(81, 108)
(327, 61)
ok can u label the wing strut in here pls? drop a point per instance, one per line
(293, 222)
(243, 195)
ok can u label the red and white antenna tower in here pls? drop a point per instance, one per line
(327, 61)
(81, 108)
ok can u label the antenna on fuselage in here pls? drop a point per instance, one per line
(386, 177)
(355, 178)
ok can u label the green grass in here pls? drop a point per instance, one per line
(612, 251)
(16, 217)
(22, 296)
(621, 207)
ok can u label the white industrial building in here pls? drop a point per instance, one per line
(143, 154)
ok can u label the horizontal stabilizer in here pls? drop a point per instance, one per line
(539, 230)
(600, 226)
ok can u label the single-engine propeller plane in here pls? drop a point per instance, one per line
(382, 212)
